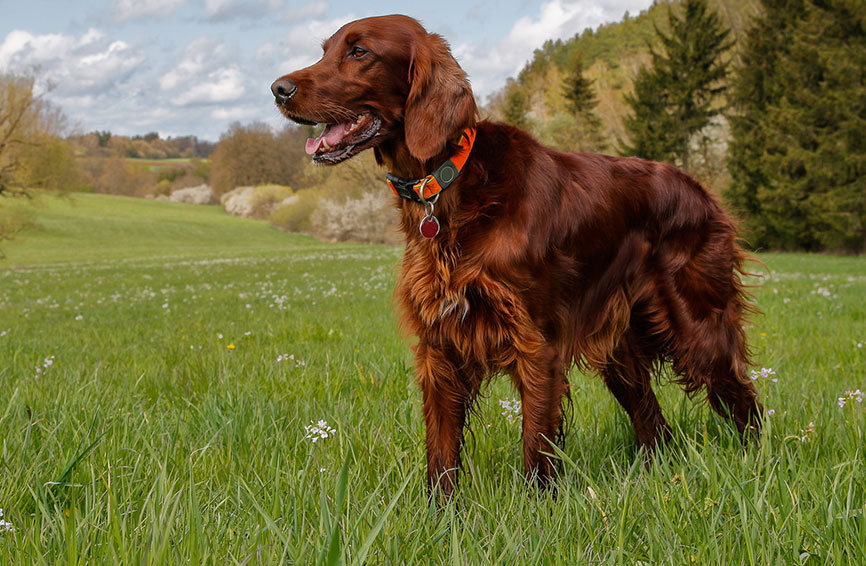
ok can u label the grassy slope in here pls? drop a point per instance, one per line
(168, 429)
(87, 227)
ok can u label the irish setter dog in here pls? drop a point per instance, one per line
(531, 260)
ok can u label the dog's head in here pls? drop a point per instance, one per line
(382, 79)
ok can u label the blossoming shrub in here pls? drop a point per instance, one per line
(256, 202)
(368, 218)
(332, 215)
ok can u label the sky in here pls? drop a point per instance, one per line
(193, 67)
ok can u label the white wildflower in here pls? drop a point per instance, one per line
(290, 357)
(44, 366)
(319, 431)
(510, 408)
(5, 526)
(805, 434)
(765, 373)
(849, 395)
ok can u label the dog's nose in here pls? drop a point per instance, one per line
(283, 90)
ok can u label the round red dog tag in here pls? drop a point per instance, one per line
(429, 227)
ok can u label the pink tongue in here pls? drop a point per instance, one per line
(332, 134)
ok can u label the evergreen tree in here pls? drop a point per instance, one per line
(754, 87)
(650, 123)
(577, 89)
(798, 154)
(580, 99)
(678, 96)
(516, 106)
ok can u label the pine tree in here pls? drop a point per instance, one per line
(516, 106)
(798, 154)
(679, 95)
(754, 87)
(580, 99)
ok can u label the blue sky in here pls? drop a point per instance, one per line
(183, 67)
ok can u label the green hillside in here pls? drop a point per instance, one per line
(89, 227)
(612, 55)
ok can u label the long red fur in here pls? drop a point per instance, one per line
(544, 259)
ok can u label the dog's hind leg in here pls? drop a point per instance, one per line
(628, 376)
(708, 343)
(730, 391)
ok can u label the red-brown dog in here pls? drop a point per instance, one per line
(524, 260)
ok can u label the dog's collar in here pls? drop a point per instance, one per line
(438, 180)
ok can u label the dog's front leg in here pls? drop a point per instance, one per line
(447, 396)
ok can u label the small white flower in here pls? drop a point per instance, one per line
(319, 431)
(4, 333)
(43, 367)
(804, 434)
(288, 357)
(79, 317)
(771, 412)
(764, 374)
(5, 526)
(510, 408)
(849, 395)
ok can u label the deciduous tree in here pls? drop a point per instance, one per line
(32, 154)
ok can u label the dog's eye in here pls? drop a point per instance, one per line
(357, 52)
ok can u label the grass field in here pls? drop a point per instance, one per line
(163, 366)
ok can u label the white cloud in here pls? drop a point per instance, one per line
(79, 67)
(220, 85)
(22, 48)
(198, 55)
(207, 73)
(132, 10)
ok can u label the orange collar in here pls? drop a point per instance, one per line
(438, 180)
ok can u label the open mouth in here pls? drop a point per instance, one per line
(341, 141)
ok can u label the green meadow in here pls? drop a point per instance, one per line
(165, 367)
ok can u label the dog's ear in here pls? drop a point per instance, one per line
(440, 102)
